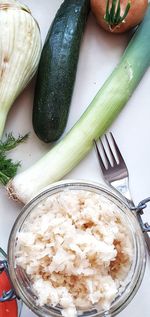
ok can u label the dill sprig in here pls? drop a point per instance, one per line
(11, 142)
(8, 168)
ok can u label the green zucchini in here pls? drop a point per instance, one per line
(57, 70)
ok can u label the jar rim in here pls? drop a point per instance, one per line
(139, 270)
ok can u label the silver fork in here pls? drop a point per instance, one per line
(115, 171)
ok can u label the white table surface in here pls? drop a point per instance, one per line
(100, 52)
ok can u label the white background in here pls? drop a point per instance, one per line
(100, 52)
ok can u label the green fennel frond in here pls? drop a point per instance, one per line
(11, 142)
(8, 168)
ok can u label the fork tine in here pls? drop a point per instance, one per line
(110, 150)
(105, 153)
(99, 157)
(120, 157)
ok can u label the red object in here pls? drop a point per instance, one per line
(9, 308)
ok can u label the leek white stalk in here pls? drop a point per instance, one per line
(20, 48)
(97, 118)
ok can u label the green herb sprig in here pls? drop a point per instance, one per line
(112, 16)
(8, 168)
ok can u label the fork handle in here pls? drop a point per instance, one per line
(122, 186)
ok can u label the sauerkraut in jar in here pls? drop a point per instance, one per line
(77, 249)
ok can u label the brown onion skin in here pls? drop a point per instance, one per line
(133, 18)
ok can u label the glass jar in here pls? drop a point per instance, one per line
(21, 281)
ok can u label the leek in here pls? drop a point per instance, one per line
(100, 114)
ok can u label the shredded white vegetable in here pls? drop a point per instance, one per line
(77, 249)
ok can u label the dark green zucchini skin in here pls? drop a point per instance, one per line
(57, 70)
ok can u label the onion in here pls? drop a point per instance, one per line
(131, 11)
